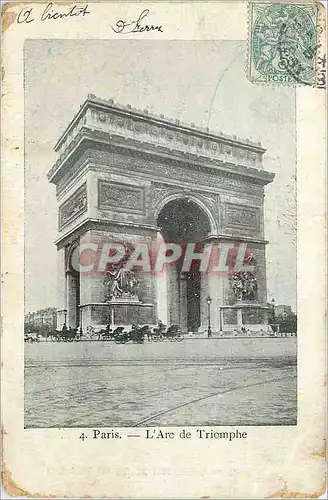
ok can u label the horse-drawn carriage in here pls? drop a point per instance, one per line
(66, 335)
(119, 334)
(97, 332)
(135, 333)
(138, 334)
(31, 337)
(161, 333)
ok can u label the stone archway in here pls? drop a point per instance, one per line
(117, 170)
(72, 290)
(206, 205)
(182, 221)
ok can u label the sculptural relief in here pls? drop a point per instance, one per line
(74, 206)
(239, 215)
(244, 286)
(121, 283)
(115, 195)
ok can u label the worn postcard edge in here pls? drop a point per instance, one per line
(28, 455)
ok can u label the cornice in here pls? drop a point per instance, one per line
(90, 223)
(97, 103)
(247, 305)
(230, 237)
(103, 224)
(141, 133)
(109, 142)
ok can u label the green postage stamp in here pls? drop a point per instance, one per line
(284, 43)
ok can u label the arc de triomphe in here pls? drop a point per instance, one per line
(126, 175)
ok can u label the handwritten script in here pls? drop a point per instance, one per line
(137, 26)
(27, 15)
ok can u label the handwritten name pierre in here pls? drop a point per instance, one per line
(50, 13)
(138, 26)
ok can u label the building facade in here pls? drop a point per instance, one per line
(44, 317)
(129, 177)
(282, 310)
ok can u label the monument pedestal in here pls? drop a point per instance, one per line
(118, 311)
(129, 310)
(252, 316)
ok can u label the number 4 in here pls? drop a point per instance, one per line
(83, 436)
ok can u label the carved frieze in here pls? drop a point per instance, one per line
(242, 216)
(158, 192)
(174, 170)
(166, 132)
(121, 197)
(73, 207)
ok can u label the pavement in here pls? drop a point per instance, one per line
(194, 382)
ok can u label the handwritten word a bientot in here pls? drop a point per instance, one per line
(136, 26)
(27, 15)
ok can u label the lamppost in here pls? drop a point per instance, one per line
(273, 310)
(209, 330)
(220, 318)
(80, 319)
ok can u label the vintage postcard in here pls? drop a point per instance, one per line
(164, 249)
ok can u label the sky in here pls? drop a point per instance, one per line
(201, 82)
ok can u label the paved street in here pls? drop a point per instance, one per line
(194, 382)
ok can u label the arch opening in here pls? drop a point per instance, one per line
(73, 285)
(182, 221)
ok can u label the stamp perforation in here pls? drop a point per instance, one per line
(285, 43)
